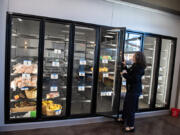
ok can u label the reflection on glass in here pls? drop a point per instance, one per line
(165, 71)
(106, 83)
(84, 47)
(132, 43)
(23, 68)
(150, 45)
(55, 69)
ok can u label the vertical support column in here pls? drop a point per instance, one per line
(7, 68)
(70, 69)
(40, 69)
(118, 78)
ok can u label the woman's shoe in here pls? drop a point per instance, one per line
(120, 120)
(129, 129)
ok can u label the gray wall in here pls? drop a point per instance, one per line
(92, 11)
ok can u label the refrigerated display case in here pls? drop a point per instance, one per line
(58, 69)
(84, 49)
(150, 51)
(165, 73)
(108, 90)
(55, 69)
(23, 68)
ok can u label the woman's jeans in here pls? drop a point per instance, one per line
(129, 108)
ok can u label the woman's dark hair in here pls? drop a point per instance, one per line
(140, 59)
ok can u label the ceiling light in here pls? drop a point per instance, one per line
(14, 35)
(114, 30)
(92, 42)
(19, 19)
(108, 36)
(112, 33)
(85, 28)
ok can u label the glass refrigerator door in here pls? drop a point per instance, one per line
(132, 44)
(55, 69)
(150, 52)
(108, 66)
(165, 72)
(84, 50)
(23, 68)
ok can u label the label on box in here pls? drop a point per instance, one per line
(53, 88)
(106, 93)
(160, 78)
(81, 88)
(27, 62)
(105, 75)
(142, 86)
(141, 97)
(54, 76)
(104, 60)
(102, 94)
(81, 73)
(124, 83)
(24, 88)
(57, 51)
(55, 64)
(82, 62)
(26, 76)
(58, 112)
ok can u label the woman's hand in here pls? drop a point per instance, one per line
(123, 72)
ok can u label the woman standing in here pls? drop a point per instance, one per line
(133, 77)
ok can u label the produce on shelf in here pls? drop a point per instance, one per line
(25, 103)
(52, 95)
(24, 82)
(51, 109)
(31, 94)
(21, 68)
(21, 95)
(104, 69)
(16, 97)
(105, 57)
(24, 106)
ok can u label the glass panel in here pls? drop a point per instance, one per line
(150, 45)
(132, 45)
(84, 47)
(23, 68)
(55, 69)
(133, 42)
(107, 64)
(165, 71)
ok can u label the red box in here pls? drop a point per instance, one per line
(175, 112)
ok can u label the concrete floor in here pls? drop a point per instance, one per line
(162, 125)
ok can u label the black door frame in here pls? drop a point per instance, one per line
(118, 79)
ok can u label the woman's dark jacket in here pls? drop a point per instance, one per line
(133, 79)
